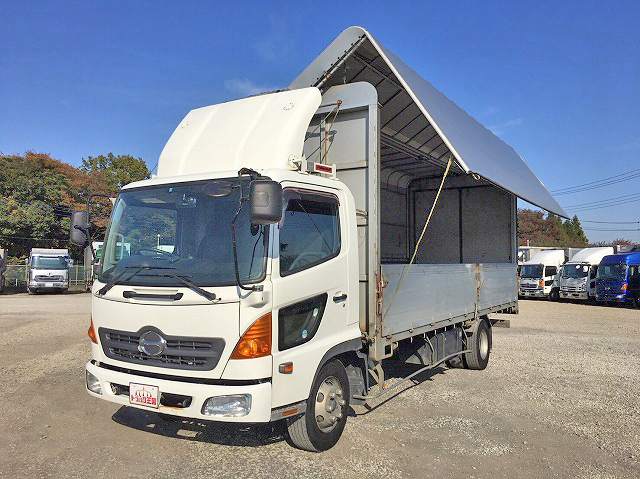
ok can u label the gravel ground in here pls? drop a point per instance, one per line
(560, 398)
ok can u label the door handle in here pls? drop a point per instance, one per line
(339, 298)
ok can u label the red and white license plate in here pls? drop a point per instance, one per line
(144, 395)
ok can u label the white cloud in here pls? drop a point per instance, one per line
(502, 127)
(245, 87)
(277, 43)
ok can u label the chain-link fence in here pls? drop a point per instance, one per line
(17, 276)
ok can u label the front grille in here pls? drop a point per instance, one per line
(43, 278)
(572, 289)
(200, 354)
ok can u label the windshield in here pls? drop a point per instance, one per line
(531, 271)
(575, 271)
(612, 271)
(49, 262)
(184, 231)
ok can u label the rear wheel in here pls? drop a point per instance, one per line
(321, 426)
(480, 346)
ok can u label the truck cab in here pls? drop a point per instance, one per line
(537, 274)
(577, 278)
(48, 270)
(618, 279)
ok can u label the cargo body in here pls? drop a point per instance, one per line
(292, 241)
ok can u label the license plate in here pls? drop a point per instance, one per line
(48, 285)
(144, 395)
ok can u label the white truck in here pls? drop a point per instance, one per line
(577, 278)
(48, 270)
(308, 235)
(537, 274)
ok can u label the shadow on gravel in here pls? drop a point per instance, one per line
(398, 370)
(227, 434)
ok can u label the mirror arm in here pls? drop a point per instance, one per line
(86, 231)
(235, 249)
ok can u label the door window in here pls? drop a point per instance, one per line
(309, 232)
(298, 323)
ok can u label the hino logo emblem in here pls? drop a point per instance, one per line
(151, 343)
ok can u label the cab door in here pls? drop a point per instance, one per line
(312, 294)
(550, 273)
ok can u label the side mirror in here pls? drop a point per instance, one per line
(79, 228)
(265, 197)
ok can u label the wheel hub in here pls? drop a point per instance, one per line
(329, 404)
(483, 344)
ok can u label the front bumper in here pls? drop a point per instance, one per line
(532, 293)
(199, 393)
(574, 295)
(43, 285)
(619, 298)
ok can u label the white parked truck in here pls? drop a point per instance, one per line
(537, 274)
(48, 270)
(307, 235)
(577, 278)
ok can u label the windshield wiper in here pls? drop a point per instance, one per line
(186, 282)
(113, 281)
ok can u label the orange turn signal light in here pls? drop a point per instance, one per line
(256, 341)
(92, 332)
(623, 287)
(541, 285)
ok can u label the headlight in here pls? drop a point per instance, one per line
(93, 383)
(236, 405)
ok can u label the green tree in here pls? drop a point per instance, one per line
(537, 230)
(119, 170)
(38, 193)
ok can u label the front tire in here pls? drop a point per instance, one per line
(321, 426)
(554, 295)
(478, 357)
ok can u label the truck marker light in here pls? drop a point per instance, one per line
(92, 331)
(623, 287)
(286, 368)
(256, 341)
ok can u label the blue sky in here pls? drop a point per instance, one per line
(558, 81)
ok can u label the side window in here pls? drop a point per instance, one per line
(310, 232)
(551, 270)
(299, 322)
(594, 272)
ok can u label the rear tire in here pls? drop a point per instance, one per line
(480, 346)
(321, 426)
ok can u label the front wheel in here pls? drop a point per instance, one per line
(554, 295)
(321, 426)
